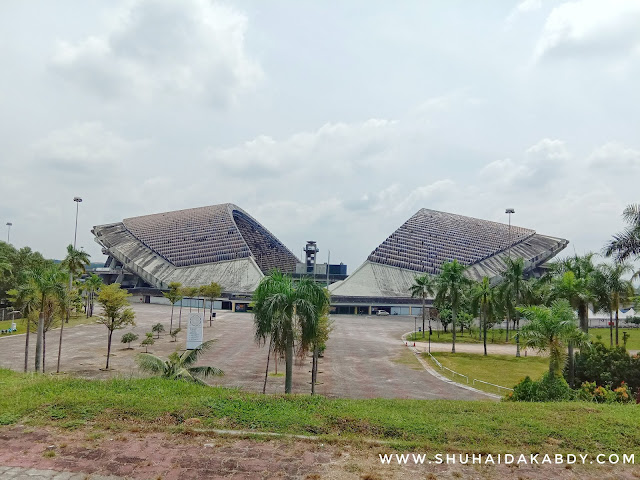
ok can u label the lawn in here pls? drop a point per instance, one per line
(633, 342)
(495, 337)
(140, 405)
(21, 324)
(504, 370)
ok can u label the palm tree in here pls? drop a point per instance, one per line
(92, 284)
(483, 303)
(423, 285)
(619, 290)
(179, 366)
(48, 281)
(450, 285)
(626, 244)
(283, 311)
(549, 330)
(514, 278)
(577, 289)
(74, 263)
(173, 295)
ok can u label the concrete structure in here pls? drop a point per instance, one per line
(197, 246)
(422, 244)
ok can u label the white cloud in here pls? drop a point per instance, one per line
(523, 8)
(194, 48)
(617, 158)
(591, 27)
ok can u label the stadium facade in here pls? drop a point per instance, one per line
(422, 244)
(197, 246)
(223, 243)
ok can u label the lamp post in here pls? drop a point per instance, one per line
(509, 211)
(75, 233)
(9, 225)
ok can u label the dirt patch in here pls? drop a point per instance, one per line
(198, 456)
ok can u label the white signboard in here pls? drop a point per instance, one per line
(195, 333)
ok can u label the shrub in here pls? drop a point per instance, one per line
(551, 388)
(607, 367)
(603, 394)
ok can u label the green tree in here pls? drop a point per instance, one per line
(148, 341)
(613, 290)
(48, 281)
(450, 286)
(549, 329)
(174, 294)
(179, 367)
(128, 338)
(483, 303)
(158, 328)
(423, 286)
(211, 292)
(74, 263)
(285, 311)
(175, 333)
(626, 244)
(92, 285)
(117, 312)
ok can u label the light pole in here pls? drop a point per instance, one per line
(75, 233)
(9, 225)
(509, 211)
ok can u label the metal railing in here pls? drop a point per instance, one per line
(492, 384)
(442, 367)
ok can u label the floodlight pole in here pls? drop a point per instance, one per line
(9, 224)
(509, 211)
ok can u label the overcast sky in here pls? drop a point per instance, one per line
(331, 121)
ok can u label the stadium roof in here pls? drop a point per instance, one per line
(196, 246)
(430, 238)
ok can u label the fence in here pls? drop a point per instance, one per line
(474, 380)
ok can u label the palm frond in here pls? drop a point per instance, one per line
(150, 363)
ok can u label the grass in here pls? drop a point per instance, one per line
(504, 370)
(633, 342)
(440, 425)
(21, 323)
(495, 337)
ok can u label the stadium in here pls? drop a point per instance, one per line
(223, 243)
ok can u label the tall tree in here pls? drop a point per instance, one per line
(483, 303)
(514, 278)
(619, 289)
(92, 285)
(626, 244)
(173, 295)
(285, 311)
(47, 281)
(117, 311)
(211, 292)
(450, 285)
(550, 329)
(423, 286)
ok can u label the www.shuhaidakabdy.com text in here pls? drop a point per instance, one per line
(507, 459)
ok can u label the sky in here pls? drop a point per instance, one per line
(326, 121)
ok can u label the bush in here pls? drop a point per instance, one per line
(609, 367)
(603, 394)
(551, 388)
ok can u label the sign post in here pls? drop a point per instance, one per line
(195, 332)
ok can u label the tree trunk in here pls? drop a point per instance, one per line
(288, 382)
(611, 328)
(180, 316)
(484, 330)
(60, 347)
(423, 314)
(570, 365)
(39, 341)
(109, 349)
(617, 310)
(266, 373)
(44, 348)
(583, 315)
(453, 328)
(171, 322)
(314, 369)
(508, 320)
(26, 345)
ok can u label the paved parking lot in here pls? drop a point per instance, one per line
(364, 357)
